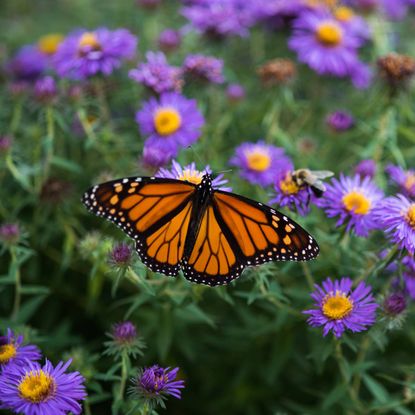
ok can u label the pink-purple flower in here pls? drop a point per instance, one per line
(353, 200)
(340, 121)
(157, 74)
(191, 174)
(204, 68)
(396, 217)
(328, 46)
(87, 53)
(405, 179)
(259, 162)
(33, 389)
(338, 307)
(14, 352)
(170, 122)
(366, 168)
(28, 63)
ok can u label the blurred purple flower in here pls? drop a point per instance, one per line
(235, 93)
(156, 156)
(205, 68)
(45, 90)
(394, 304)
(396, 216)
(12, 351)
(170, 122)
(354, 23)
(5, 143)
(84, 54)
(28, 64)
(169, 40)
(33, 389)
(220, 18)
(156, 74)
(405, 179)
(353, 200)
(259, 162)
(191, 174)
(366, 168)
(339, 308)
(9, 233)
(121, 254)
(327, 46)
(340, 121)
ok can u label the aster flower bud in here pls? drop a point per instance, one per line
(366, 168)
(121, 254)
(45, 90)
(5, 143)
(9, 233)
(124, 339)
(340, 121)
(394, 304)
(155, 384)
(169, 40)
(235, 93)
(277, 72)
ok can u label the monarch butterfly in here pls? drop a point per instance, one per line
(211, 235)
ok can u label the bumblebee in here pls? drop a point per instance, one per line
(311, 179)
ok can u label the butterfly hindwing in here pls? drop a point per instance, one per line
(154, 212)
(250, 233)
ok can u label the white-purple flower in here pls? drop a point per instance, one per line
(191, 174)
(87, 53)
(352, 200)
(339, 308)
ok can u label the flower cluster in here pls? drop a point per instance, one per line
(29, 388)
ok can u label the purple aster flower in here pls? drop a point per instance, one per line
(409, 276)
(396, 216)
(45, 90)
(405, 179)
(259, 162)
(235, 93)
(288, 193)
(169, 40)
(9, 233)
(355, 24)
(340, 121)
(12, 351)
(124, 332)
(220, 18)
(394, 303)
(205, 68)
(84, 54)
(366, 168)
(396, 9)
(326, 45)
(353, 200)
(157, 75)
(191, 174)
(156, 156)
(338, 307)
(28, 64)
(278, 12)
(155, 384)
(33, 389)
(121, 254)
(170, 122)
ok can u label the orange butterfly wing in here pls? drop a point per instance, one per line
(154, 212)
(236, 232)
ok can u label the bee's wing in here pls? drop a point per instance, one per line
(322, 174)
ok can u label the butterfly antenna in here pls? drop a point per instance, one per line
(197, 156)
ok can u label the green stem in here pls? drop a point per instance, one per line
(124, 375)
(102, 100)
(360, 359)
(87, 407)
(308, 275)
(146, 409)
(17, 115)
(49, 141)
(18, 284)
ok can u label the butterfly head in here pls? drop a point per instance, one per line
(206, 181)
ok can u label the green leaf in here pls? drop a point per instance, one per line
(376, 389)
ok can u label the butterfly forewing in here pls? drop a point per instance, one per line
(154, 212)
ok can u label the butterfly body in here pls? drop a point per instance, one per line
(211, 235)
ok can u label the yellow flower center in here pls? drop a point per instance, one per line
(167, 121)
(7, 352)
(194, 177)
(410, 215)
(329, 33)
(344, 14)
(89, 39)
(337, 305)
(409, 181)
(258, 161)
(37, 386)
(357, 203)
(49, 44)
(288, 186)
